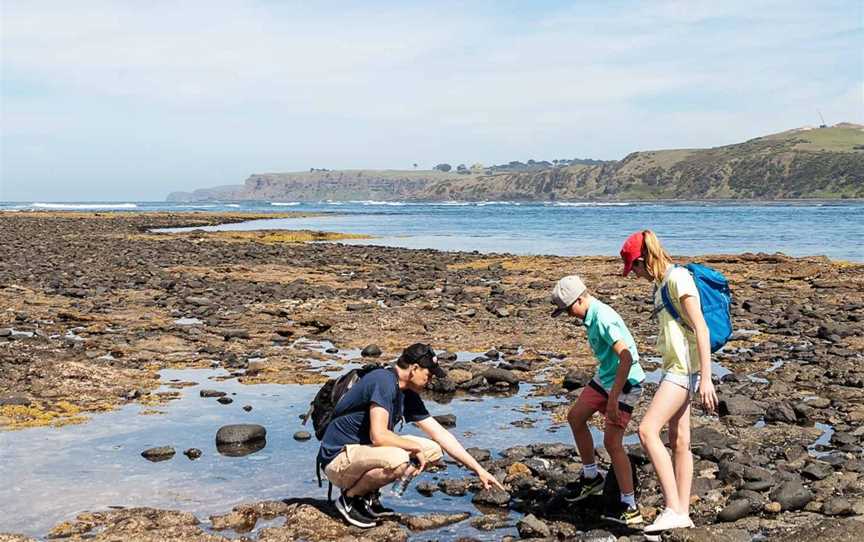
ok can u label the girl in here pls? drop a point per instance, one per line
(686, 352)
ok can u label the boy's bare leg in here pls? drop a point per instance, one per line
(578, 417)
(613, 441)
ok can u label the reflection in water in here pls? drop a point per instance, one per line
(240, 450)
(98, 464)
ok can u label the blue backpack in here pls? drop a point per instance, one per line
(715, 297)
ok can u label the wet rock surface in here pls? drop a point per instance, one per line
(240, 433)
(88, 334)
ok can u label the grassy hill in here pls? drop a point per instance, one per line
(801, 163)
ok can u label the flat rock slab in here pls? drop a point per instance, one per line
(492, 497)
(432, 521)
(240, 433)
(705, 534)
(14, 399)
(212, 393)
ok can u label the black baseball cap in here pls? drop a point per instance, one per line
(424, 356)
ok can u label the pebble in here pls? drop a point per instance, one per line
(302, 435)
(193, 453)
(225, 400)
(212, 393)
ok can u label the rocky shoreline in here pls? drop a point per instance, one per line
(95, 305)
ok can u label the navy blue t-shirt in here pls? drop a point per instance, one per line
(350, 423)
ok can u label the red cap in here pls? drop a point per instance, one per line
(631, 251)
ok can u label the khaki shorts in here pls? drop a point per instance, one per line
(355, 460)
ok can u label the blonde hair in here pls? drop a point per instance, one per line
(655, 256)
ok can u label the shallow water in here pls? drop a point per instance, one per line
(51, 474)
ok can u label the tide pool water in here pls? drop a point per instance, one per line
(832, 229)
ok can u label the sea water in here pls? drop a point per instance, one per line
(832, 229)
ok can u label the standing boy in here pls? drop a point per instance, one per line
(614, 390)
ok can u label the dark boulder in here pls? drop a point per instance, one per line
(240, 433)
(792, 495)
(531, 527)
(495, 375)
(492, 497)
(157, 454)
(575, 379)
(739, 405)
(735, 510)
(780, 412)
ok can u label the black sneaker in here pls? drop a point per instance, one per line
(352, 509)
(623, 515)
(374, 507)
(585, 487)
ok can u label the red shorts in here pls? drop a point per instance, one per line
(597, 402)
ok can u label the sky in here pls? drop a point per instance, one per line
(128, 101)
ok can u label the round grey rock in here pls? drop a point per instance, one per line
(792, 495)
(240, 433)
(302, 435)
(735, 510)
(371, 351)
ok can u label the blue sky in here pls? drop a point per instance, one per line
(110, 101)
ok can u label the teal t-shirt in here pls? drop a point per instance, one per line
(605, 327)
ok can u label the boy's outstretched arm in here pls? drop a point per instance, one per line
(448, 442)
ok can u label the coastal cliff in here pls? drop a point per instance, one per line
(802, 163)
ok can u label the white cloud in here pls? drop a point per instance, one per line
(266, 86)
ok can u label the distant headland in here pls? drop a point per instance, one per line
(825, 162)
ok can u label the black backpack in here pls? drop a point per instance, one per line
(323, 406)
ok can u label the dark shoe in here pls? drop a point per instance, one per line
(624, 515)
(374, 507)
(352, 510)
(585, 487)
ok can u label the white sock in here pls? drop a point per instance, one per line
(590, 470)
(629, 499)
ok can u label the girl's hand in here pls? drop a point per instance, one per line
(707, 394)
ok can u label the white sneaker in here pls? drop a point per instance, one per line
(669, 519)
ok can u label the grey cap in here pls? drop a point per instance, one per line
(566, 292)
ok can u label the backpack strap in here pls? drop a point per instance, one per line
(670, 306)
(320, 483)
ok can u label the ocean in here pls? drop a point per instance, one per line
(832, 229)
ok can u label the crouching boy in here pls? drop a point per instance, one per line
(360, 451)
(614, 391)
